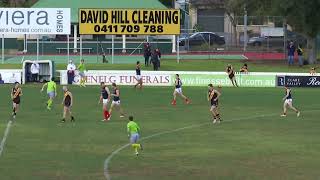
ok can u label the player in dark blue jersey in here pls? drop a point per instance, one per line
(213, 97)
(138, 75)
(288, 103)
(116, 100)
(231, 74)
(178, 91)
(105, 98)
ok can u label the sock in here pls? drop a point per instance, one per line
(218, 116)
(106, 114)
(72, 118)
(136, 147)
(63, 120)
(49, 103)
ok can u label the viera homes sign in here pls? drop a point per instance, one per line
(35, 21)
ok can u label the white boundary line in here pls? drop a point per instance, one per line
(6, 133)
(107, 161)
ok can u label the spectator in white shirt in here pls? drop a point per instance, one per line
(35, 69)
(71, 71)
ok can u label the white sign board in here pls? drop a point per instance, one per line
(35, 21)
(10, 76)
(272, 32)
(149, 78)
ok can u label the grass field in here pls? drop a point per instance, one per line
(253, 142)
(192, 65)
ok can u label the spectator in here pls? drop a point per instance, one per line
(155, 60)
(313, 71)
(70, 71)
(300, 55)
(159, 57)
(1, 81)
(244, 68)
(291, 49)
(35, 69)
(147, 53)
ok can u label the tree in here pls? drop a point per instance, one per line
(303, 16)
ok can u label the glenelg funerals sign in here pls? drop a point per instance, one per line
(35, 21)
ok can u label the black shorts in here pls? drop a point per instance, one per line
(16, 100)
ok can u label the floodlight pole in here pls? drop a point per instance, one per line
(112, 48)
(2, 51)
(68, 48)
(245, 29)
(38, 47)
(178, 49)
(80, 47)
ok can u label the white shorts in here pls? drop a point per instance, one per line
(288, 101)
(178, 90)
(116, 102)
(138, 77)
(105, 101)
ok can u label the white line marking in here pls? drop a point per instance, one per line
(107, 161)
(6, 133)
(245, 57)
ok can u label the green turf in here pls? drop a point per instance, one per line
(191, 65)
(243, 147)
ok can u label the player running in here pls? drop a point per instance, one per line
(16, 92)
(288, 102)
(105, 98)
(67, 103)
(116, 101)
(178, 90)
(231, 75)
(51, 91)
(82, 69)
(133, 130)
(138, 75)
(213, 97)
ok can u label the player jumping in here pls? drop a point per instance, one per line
(105, 98)
(178, 90)
(116, 100)
(51, 91)
(213, 97)
(82, 69)
(231, 75)
(288, 102)
(133, 130)
(67, 103)
(138, 75)
(15, 96)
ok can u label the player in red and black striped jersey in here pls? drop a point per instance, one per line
(16, 92)
(67, 103)
(213, 97)
(231, 74)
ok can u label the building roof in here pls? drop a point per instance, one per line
(77, 4)
(207, 2)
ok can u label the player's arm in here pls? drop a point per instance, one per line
(100, 99)
(11, 94)
(64, 98)
(218, 94)
(108, 91)
(20, 90)
(209, 97)
(45, 84)
(285, 97)
(71, 103)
